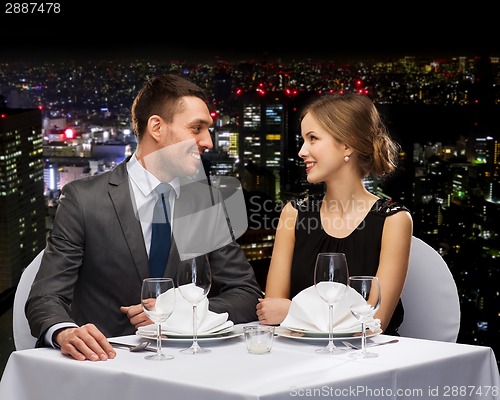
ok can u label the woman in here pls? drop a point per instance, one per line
(345, 141)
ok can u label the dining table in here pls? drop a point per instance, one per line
(408, 369)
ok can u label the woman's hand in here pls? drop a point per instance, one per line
(272, 311)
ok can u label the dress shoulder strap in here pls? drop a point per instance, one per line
(387, 207)
(306, 203)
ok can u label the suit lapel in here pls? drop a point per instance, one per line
(119, 192)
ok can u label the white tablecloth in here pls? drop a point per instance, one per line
(411, 369)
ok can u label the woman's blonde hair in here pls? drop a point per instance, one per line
(353, 119)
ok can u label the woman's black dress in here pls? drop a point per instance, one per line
(361, 247)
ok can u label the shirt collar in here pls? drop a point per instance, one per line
(145, 180)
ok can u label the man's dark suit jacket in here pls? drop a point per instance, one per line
(96, 259)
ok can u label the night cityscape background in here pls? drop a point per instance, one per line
(63, 118)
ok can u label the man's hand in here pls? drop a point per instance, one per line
(136, 315)
(84, 343)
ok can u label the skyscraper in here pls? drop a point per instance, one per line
(22, 211)
(269, 137)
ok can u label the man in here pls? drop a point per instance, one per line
(89, 282)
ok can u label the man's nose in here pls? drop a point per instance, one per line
(206, 141)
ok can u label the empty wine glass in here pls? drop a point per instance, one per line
(364, 301)
(158, 300)
(330, 280)
(194, 280)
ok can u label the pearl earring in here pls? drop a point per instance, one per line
(346, 158)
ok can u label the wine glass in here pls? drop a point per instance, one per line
(194, 280)
(158, 300)
(330, 280)
(364, 301)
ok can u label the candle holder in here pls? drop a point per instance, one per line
(259, 338)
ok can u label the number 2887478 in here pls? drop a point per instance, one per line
(32, 8)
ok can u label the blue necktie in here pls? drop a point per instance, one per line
(160, 233)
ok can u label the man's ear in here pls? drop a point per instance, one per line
(154, 126)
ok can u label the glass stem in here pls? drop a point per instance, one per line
(195, 326)
(330, 346)
(363, 339)
(158, 339)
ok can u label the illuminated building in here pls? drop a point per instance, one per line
(22, 214)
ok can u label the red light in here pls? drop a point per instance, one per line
(213, 114)
(69, 133)
(4, 116)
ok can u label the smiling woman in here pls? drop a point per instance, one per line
(345, 141)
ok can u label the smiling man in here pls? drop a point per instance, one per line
(89, 283)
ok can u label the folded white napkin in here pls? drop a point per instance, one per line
(309, 311)
(181, 320)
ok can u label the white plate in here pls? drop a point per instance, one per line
(228, 333)
(295, 333)
(151, 330)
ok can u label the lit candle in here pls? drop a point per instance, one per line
(258, 346)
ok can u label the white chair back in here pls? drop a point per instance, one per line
(22, 335)
(430, 297)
